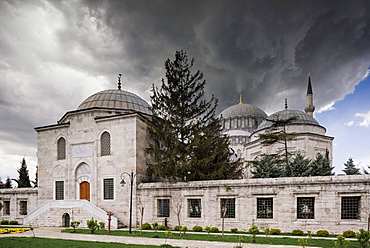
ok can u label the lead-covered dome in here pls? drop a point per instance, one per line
(242, 110)
(116, 99)
(300, 118)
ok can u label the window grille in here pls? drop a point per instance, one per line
(59, 190)
(61, 149)
(265, 208)
(23, 207)
(228, 208)
(108, 189)
(305, 207)
(163, 206)
(194, 208)
(6, 207)
(105, 144)
(350, 207)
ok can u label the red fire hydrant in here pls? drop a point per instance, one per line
(109, 219)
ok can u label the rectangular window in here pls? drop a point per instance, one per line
(108, 189)
(228, 208)
(305, 207)
(6, 208)
(163, 206)
(59, 190)
(350, 207)
(265, 208)
(194, 208)
(23, 207)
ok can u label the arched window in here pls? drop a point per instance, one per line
(61, 149)
(105, 144)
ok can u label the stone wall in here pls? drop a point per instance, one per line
(325, 192)
(14, 197)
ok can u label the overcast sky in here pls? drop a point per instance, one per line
(54, 54)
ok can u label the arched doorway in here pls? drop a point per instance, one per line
(66, 219)
(85, 190)
(83, 173)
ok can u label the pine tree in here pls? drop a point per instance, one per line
(187, 141)
(8, 183)
(266, 166)
(36, 180)
(2, 185)
(350, 168)
(320, 166)
(277, 134)
(23, 180)
(298, 167)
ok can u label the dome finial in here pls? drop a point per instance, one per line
(119, 81)
(286, 103)
(240, 99)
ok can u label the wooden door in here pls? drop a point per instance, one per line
(85, 191)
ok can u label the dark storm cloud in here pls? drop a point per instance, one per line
(57, 53)
(258, 48)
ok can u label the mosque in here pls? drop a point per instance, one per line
(91, 162)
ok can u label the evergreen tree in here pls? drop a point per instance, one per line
(266, 166)
(320, 166)
(277, 134)
(23, 180)
(350, 168)
(2, 185)
(8, 183)
(36, 180)
(298, 167)
(187, 141)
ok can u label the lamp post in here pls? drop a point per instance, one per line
(131, 176)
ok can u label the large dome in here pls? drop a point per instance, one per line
(242, 110)
(116, 99)
(301, 118)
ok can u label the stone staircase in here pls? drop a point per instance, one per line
(79, 210)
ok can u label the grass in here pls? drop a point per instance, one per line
(211, 237)
(30, 242)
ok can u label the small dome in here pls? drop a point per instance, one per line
(301, 118)
(116, 99)
(242, 110)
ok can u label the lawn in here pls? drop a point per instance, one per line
(211, 237)
(30, 242)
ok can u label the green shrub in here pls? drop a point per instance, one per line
(349, 234)
(322, 233)
(4, 222)
(234, 230)
(177, 228)
(254, 231)
(102, 225)
(13, 222)
(341, 242)
(363, 238)
(275, 231)
(92, 225)
(162, 227)
(197, 228)
(214, 229)
(75, 225)
(297, 232)
(146, 226)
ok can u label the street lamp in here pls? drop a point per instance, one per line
(131, 176)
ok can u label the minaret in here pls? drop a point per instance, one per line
(309, 109)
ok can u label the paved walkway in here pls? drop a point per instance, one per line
(55, 233)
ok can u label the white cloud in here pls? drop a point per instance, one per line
(327, 107)
(366, 120)
(350, 123)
